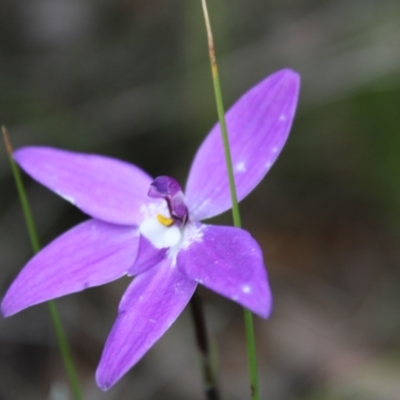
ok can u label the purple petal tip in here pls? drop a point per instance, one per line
(2, 313)
(104, 386)
(291, 76)
(288, 72)
(6, 307)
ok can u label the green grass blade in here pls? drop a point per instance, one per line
(251, 348)
(61, 338)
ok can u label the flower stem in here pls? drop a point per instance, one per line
(209, 377)
(251, 349)
(61, 338)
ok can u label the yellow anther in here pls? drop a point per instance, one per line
(164, 220)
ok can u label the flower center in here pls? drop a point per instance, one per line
(169, 189)
(166, 231)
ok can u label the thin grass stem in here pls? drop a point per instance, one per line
(61, 338)
(251, 348)
(209, 376)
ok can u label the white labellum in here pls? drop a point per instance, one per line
(160, 236)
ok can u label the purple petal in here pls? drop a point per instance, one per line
(229, 261)
(104, 188)
(258, 126)
(147, 257)
(150, 305)
(90, 254)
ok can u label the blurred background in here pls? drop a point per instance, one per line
(130, 79)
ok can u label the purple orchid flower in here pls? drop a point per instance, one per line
(149, 229)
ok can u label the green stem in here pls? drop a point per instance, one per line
(251, 354)
(209, 376)
(65, 351)
(251, 348)
(61, 338)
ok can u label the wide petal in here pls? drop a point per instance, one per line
(90, 254)
(150, 305)
(258, 126)
(103, 187)
(228, 261)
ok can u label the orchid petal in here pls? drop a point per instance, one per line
(90, 254)
(148, 256)
(103, 187)
(150, 305)
(258, 125)
(228, 261)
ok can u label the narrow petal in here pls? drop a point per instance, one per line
(90, 254)
(258, 126)
(229, 261)
(104, 188)
(148, 308)
(148, 256)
